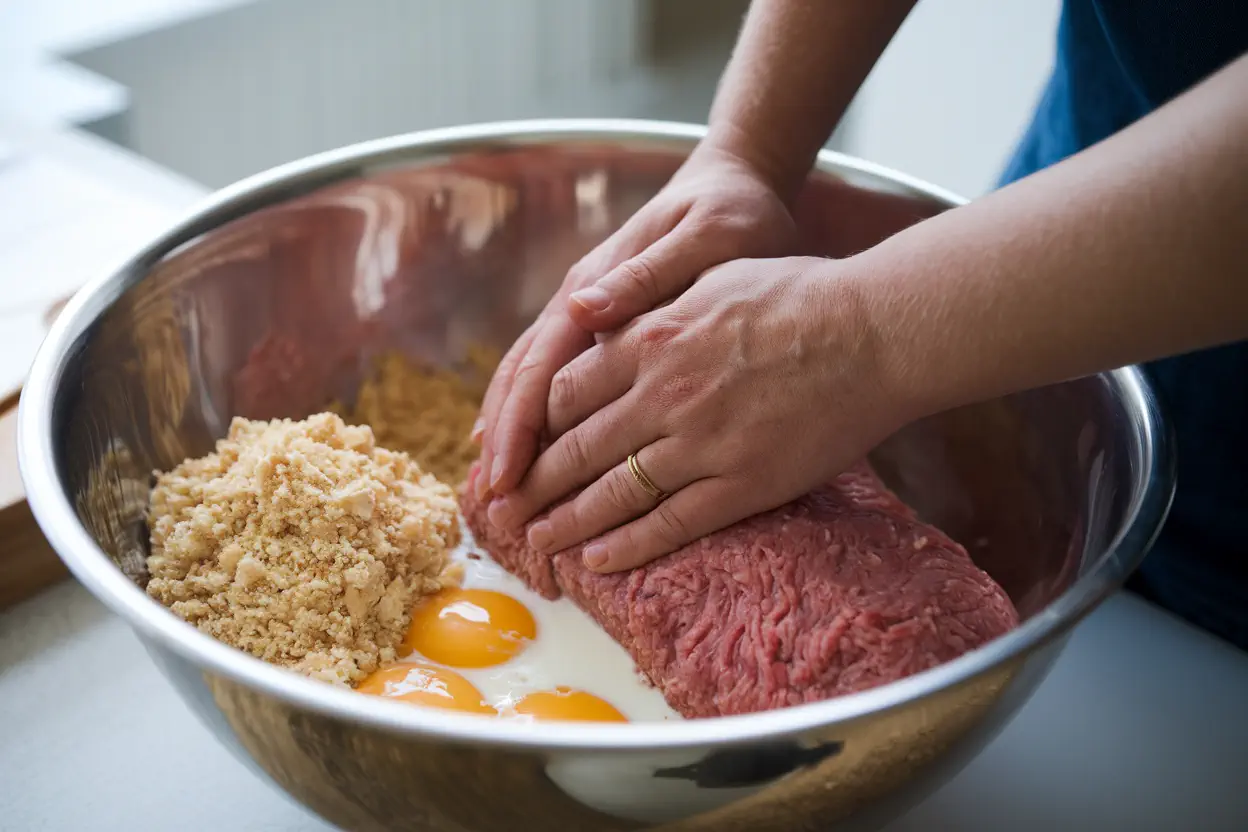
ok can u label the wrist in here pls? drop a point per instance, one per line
(843, 337)
(781, 172)
(909, 373)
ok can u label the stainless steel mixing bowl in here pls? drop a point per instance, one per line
(274, 295)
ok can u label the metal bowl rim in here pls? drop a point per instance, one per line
(96, 571)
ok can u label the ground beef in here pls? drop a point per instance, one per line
(840, 591)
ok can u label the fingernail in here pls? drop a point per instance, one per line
(540, 536)
(592, 298)
(499, 512)
(496, 472)
(478, 430)
(595, 555)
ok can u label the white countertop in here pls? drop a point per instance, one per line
(71, 206)
(1142, 724)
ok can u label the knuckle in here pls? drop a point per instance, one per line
(575, 451)
(728, 217)
(742, 233)
(722, 215)
(564, 390)
(528, 369)
(669, 527)
(736, 223)
(617, 490)
(676, 390)
(638, 276)
(655, 332)
(507, 366)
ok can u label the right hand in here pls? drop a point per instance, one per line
(716, 208)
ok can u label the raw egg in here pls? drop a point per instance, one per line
(515, 655)
(470, 628)
(564, 703)
(435, 687)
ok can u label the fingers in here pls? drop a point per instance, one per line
(514, 416)
(500, 382)
(612, 500)
(592, 380)
(702, 507)
(523, 414)
(644, 281)
(495, 395)
(576, 458)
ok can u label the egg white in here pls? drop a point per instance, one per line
(570, 650)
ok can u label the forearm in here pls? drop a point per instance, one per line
(796, 67)
(1132, 250)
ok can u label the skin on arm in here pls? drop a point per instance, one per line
(1132, 250)
(769, 377)
(796, 67)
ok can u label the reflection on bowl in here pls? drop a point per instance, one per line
(437, 242)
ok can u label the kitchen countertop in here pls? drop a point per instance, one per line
(1141, 725)
(70, 205)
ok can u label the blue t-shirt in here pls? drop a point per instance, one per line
(1117, 60)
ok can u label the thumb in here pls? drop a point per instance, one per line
(641, 283)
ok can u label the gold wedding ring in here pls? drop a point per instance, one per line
(634, 468)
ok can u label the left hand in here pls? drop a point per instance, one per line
(756, 385)
(716, 208)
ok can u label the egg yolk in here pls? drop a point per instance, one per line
(470, 628)
(567, 704)
(434, 687)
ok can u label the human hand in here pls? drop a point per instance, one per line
(755, 386)
(716, 208)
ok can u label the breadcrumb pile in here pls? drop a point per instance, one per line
(302, 543)
(425, 412)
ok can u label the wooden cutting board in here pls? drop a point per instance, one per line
(27, 563)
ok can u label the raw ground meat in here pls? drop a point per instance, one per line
(837, 592)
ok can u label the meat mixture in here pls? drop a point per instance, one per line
(837, 592)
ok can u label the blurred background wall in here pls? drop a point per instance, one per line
(219, 89)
